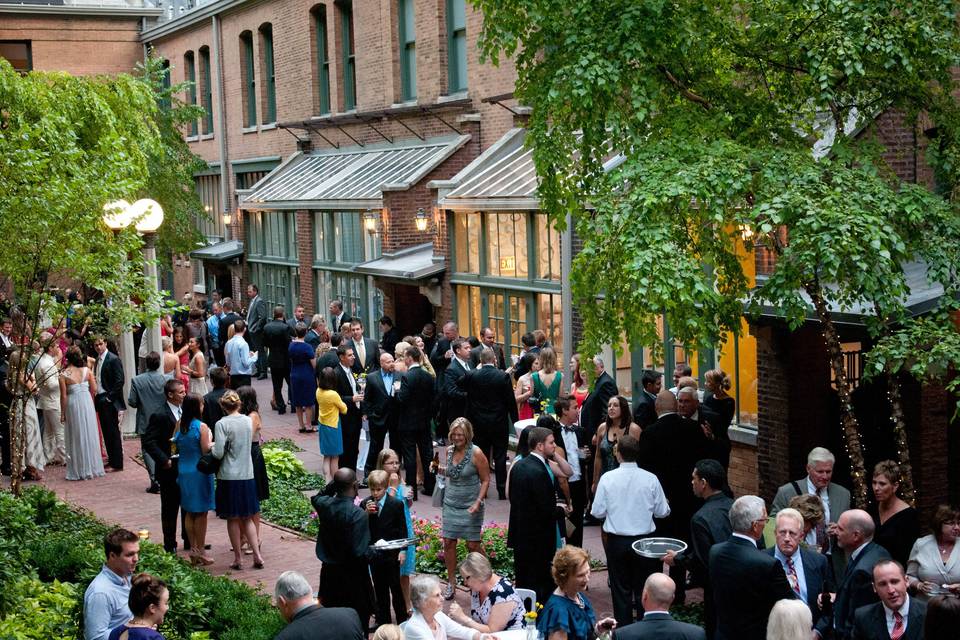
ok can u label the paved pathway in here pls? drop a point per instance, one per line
(120, 498)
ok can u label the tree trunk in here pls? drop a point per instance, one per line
(900, 436)
(851, 429)
(18, 444)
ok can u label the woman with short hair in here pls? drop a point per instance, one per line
(494, 604)
(428, 621)
(898, 525)
(789, 620)
(934, 564)
(568, 614)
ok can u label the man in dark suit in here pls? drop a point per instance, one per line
(454, 399)
(492, 410)
(225, 328)
(156, 442)
(807, 570)
(276, 338)
(709, 525)
(147, 397)
(746, 581)
(571, 438)
(338, 317)
(855, 531)
(343, 548)
(529, 346)
(367, 351)
(488, 340)
(298, 317)
(657, 623)
(297, 605)
(389, 336)
(387, 522)
(534, 514)
(380, 406)
(256, 320)
(907, 614)
(594, 406)
(670, 448)
(350, 422)
(109, 401)
(688, 406)
(644, 412)
(415, 402)
(440, 358)
(212, 411)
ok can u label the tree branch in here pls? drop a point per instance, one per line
(684, 91)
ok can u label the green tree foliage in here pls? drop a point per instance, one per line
(716, 109)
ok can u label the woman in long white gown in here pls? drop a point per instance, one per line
(23, 387)
(77, 390)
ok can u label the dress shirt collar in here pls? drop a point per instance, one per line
(115, 578)
(782, 557)
(539, 456)
(413, 366)
(176, 410)
(655, 612)
(752, 541)
(463, 363)
(856, 552)
(665, 414)
(904, 611)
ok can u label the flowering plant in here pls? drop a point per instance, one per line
(531, 616)
(430, 557)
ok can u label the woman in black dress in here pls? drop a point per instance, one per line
(250, 407)
(898, 525)
(717, 399)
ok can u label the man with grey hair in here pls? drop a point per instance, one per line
(805, 568)
(657, 623)
(306, 620)
(855, 529)
(835, 499)
(746, 582)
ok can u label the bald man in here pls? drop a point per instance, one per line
(854, 531)
(657, 623)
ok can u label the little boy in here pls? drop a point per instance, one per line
(386, 523)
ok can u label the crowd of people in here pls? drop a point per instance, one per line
(437, 411)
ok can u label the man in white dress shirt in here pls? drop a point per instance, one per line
(47, 376)
(896, 616)
(629, 498)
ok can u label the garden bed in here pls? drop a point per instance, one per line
(50, 551)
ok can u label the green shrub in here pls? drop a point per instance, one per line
(284, 444)
(44, 610)
(65, 557)
(283, 466)
(288, 507)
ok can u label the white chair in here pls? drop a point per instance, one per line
(527, 596)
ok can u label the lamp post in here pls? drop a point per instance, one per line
(116, 215)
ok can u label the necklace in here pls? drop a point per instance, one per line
(139, 622)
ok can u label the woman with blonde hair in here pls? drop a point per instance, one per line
(171, 361)
(898, 525)
(416, 341)
(789, 620)
(548, 382)
(716, 398)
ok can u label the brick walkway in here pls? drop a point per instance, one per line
(120, 498)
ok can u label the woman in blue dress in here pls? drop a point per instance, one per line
(303, 381)
(193, 439)
(568, 614)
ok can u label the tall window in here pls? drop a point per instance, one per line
(247, 77)
(190, 75)
(206, 90)
(18, 54)
(267, 74)
(349, 63)
(456, 46)
(323, 59)
(408, 50)
(165, 85)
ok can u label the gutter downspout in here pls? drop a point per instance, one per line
(221, 124)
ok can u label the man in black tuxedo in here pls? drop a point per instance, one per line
(807, 570)
(688, 406)
(226, 329)
(571, 438)
(454, 399)
(380, 406)
(854, 531)
(415, 402)
(212, 411)
(350, 422)
(657, 623)
(492, 410)
(156, 442)
(710, 525)
(488, 340)
(645, 412)
(890, 583)
(387, 522)
(529, 345)
(367, 351)
(277, 335)
(109, 401)
(298, 606)
(440, 358)
(746, 581)
(532, 527)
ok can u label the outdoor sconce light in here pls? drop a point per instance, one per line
(370, 221)
(227, 218)
(422, 220)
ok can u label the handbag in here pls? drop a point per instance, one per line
(438, 490)
(209, 463)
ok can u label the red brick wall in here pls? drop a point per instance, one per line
(743, 470)
(306, 295)
(79, 45)
(773, 415)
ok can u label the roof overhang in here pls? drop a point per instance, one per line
(81, 10)
(219, 252)
(415, 263)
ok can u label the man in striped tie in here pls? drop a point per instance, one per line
(805, 568)
(897, 616)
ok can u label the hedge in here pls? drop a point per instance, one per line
(50, 551)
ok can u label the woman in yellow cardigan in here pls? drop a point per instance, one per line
(329, 407)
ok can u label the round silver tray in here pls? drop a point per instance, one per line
(394, 545)
(657, 547)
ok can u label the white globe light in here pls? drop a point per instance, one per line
(116, 214)
(147, 215)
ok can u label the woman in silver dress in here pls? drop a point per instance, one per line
(467, 478)
(77, 390)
